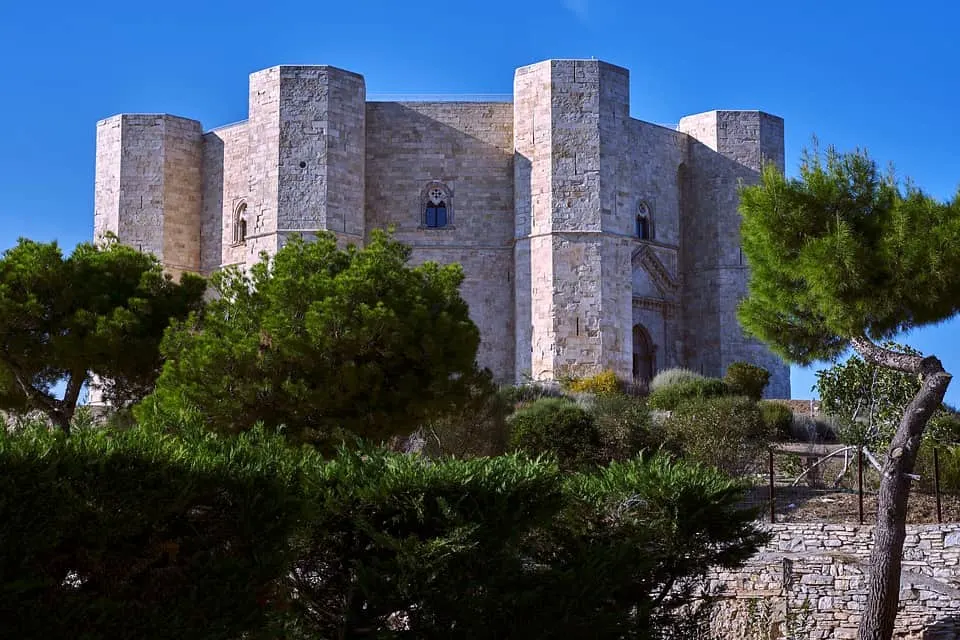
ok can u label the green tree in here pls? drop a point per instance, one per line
(843, 256)
(867, 399)
(320, 339)
(100, 311)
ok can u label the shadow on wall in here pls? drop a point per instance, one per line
(945, 629)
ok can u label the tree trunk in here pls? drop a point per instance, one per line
(63, 415)
(883, 595)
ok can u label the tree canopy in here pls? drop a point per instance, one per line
(844, 251)
(320, 339)
(844, 256)
(100, 311)
(867, 398)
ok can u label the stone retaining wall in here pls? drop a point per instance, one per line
(810, 582)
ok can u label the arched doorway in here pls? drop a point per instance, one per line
(644, 357)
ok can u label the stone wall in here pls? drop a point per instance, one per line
(818, 573)
(149, 186)
(543, 197)
(726, 149)
(225, 189)
(467, 149)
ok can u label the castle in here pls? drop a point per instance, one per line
(590, 240)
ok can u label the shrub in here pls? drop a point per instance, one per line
(136, 534)
(559, 427)
(602, 384)
(624, 425)
(746, 379)
(778, 418)
(529, 392)
(510, 548)
(949, 456)
(670, 377)
(139, 534)
(632, 533)
(670, 397)
(477, 428)
(944, 428)
(726, 433)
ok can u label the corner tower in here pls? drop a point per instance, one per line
(726, 149)
(572, 251)
(149, 186)
(306, 158)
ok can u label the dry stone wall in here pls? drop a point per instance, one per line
(811, 581)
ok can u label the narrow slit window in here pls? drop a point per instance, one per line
(644, 226)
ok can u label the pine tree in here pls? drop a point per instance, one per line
(99, 311)
(844, 256)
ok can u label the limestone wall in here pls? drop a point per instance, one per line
(148, 186)
(727, 148)
(818, 573)
(225, 188)
(468, 149)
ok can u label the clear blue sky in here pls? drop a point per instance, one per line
(882, 75)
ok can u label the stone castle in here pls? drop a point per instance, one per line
(590, 240)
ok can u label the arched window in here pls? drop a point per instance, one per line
(436, 211)
(644, 229)
(240, 224)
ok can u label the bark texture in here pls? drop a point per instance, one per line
(883, 595)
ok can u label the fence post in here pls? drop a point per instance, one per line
(773, 503)
(860, 482)
(936, 482)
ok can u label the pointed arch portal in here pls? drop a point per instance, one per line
(644, 356)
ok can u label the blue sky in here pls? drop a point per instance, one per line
(881, 75)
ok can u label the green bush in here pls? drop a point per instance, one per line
(745, 379)
(670, 397)
(559, 427)
(529, 392)
(726, 433)
(670, 377)
(949, 456)
(624, 425)
(778, 418)
(944, 428)
(136, 534)
(478, 427)
(141, 534)
(506, 547)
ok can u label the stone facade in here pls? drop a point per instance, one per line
(589, 239)
(814, 576)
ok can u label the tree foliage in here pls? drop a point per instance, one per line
(867, 399)
(747, 379)
(508, 547)
(143, 534)
(844, 251)
(99, 311)
(843, 256)
(137, 534)
(321, 339)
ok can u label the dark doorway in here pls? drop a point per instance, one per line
(644, 358)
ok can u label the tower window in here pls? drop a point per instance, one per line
(240, 224)
(436, 210)
(644, 228)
